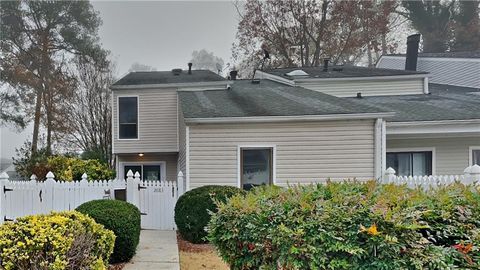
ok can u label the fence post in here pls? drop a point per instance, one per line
(180, 187)
(84, 180)
(475, 174)
(49, 187)
(33, 178)
(3, 181)
(466, 175)
(130, 186)
(389, 176)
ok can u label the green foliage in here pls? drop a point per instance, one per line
(63, 240)
(350, 226)
(28, 163)
(123, 219)
(193, 207)
(64, 167)
(69, 168)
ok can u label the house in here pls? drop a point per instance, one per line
(452, 68)
(292, 125)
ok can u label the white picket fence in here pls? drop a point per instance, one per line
(155, 199)
(471, 175)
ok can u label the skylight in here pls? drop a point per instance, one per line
(297, 72)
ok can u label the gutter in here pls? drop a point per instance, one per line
(290, 118)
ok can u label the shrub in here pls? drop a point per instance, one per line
(122, 218)
(63, 240)
(70, 168)
(350, 226)
(192, 210)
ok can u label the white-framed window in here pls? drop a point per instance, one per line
(149, 171)
(256, 165)
(127, 117)
(474, 155)
(412, 161)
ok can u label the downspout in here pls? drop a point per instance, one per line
(380, 158)
(378, 149)
(425, 86)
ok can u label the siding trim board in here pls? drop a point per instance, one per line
(187, 157)
(291, 118)
(434, 127)
(419, 149)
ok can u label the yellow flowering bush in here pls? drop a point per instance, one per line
(57, 241)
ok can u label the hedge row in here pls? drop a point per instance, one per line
(350, 226)
(63, 240)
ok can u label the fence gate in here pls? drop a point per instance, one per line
(155, 200)
(156, 203)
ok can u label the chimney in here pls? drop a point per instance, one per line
(325, 64)
(233, 75)
(412, 52)
(189, 68)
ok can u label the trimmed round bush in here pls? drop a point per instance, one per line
(350, 226)
(123, 219)
(192, 210)
(60, 240)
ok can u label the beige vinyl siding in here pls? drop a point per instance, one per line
(157, 122)
(377, 87)
(453, 71)
(305, 152)
(169, 158)
(451, 154)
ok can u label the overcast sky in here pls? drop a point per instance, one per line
(159, 34)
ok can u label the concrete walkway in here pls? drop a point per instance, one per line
(157, 250)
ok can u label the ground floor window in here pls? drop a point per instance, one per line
(256, 167)
(411, 163)
(475, 155)
(150, 172)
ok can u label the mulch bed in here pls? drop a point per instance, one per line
(117, 266)
(184, 245)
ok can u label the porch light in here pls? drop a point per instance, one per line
(140, 154)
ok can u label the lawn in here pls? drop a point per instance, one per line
(199, 256)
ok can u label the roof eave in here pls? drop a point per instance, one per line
(170, 85)
(288, 118)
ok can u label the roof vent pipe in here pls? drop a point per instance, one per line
(189, 68)
(325, 64)
(233, 75)
(359, 95)
(412, 52)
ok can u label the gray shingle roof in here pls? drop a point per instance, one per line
(446, 102)
(164, 77)
(267, 98)
(467, 54)
(341, 72)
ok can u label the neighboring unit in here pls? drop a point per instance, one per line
(293, 125)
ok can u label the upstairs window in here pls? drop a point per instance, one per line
(128, 118)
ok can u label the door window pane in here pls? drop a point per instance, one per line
(128, 117)
(410, 163)
(151, 172)
(136, 168)
(476, 157)
(256, 165)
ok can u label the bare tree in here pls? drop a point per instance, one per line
(207, 60)
(301, 33)
(90, 109)
(140, 67)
